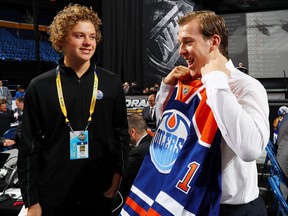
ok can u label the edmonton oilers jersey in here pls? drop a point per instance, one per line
(181, 175)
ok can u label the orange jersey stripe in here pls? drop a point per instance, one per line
(152, 212)
(133, 205)
(205, 121)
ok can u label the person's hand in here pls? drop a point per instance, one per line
(8, 142)
(34, 210)
(116, 181)
(217, 64)
(181, 73)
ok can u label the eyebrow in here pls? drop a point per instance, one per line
(79, 32)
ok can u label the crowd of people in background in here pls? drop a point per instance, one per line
(11, 112)
(134, 89)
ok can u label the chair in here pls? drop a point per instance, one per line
(273, 149)
(10, 133)
(275, 187)
(275, 167)
(275, 178)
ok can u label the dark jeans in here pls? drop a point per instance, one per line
(253, 208)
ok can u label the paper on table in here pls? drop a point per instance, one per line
(23, 211)
(15, 193)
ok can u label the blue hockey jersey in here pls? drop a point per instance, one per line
(181, 175)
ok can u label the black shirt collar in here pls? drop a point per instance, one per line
(70, 71)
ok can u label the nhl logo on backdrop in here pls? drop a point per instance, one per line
(168, 140)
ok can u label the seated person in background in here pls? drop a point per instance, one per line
(5, 95)
(282, 150)
(6, 144)
(152, 90)
(3, 109)
(18, 111)
(149, 113)
(139, 141)
(277, 122)
(20, 92)
(282, 111)
(126, 88)
(242, 68)
(135, 88)
(275, 128)
(146, 90)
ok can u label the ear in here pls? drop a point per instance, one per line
(132, 131)
(215, 41)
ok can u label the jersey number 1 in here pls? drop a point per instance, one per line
(183, 184)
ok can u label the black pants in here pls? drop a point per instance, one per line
(253, 208)
(101, 207)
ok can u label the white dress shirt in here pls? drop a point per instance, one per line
(240, 107)
(151, 112)
(137, 144)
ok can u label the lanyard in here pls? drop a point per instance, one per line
(62, 102)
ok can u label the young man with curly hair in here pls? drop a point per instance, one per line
(75, 137)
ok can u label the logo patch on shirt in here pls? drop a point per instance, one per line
(185, 91)
(169, 139)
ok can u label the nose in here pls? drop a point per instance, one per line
(182, 50)
(87, 41)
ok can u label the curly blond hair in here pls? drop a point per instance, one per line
(67, 19)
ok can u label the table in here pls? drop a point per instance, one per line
(7, 207)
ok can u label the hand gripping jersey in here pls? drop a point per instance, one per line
(181, 175)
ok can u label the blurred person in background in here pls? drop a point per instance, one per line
(5, 110)
(148, 112)
(282, 144)
(6, 95)
(20, 92)
(139, 141)
(18, 111)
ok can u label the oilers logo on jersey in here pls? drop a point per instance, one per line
(168, 140)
